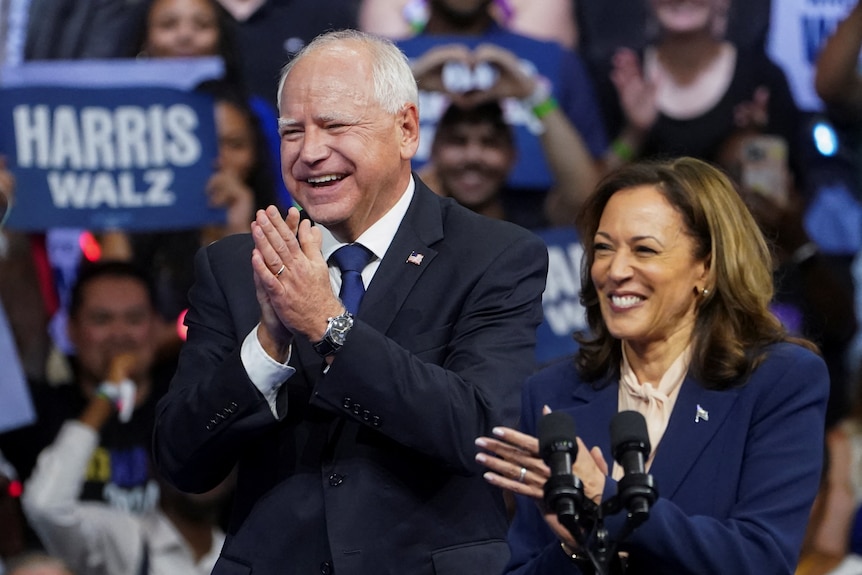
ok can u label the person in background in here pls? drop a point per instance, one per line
(463, 52)
(24, 304)
(837, 78)
(331, 405)
(474, 151)
(198, 28)
(112, 312)
(551, 20)
(179, 536)
(240, 184)
(813, 290)
(270, 32)
(677, 281)
(471, 157)
(690, 87)
(826, 547)
(69, 30)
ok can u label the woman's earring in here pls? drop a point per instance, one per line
(704, 292)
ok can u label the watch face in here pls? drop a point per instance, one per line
(339, 328)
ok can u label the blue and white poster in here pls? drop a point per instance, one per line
(107, 155)
(797, 31)
(564, 314)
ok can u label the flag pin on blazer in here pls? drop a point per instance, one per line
(701, 413)
(415, 258)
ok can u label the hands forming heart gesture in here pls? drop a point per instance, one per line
(472, 77)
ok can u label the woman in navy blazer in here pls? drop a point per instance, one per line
(678, 280)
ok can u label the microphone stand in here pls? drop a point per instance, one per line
(584, 520)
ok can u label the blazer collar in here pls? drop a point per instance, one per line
(685, 438)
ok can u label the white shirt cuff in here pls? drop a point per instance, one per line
(264, 372)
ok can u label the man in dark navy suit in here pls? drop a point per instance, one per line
(353, 424)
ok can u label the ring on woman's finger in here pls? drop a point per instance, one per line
(522, 475)
(280, 271)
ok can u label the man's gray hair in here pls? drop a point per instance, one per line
(394, 84)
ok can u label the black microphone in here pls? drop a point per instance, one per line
(557, 445)
(631, 447)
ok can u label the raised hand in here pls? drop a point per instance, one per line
(637, 94)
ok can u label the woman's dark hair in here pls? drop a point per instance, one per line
(733, 323)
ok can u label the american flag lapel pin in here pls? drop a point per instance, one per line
(415, 258)
(701, 414)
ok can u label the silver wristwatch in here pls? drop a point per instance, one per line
(335, 334)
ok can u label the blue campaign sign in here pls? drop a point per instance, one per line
(564, 314)
(130, 157)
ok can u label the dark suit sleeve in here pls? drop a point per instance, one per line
(212, 410)
(436, 391)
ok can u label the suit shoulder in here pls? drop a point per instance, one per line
(792, 356)
(553, 382)
(457, 217)
(800, 371)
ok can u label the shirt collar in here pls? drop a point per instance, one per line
(379, 236)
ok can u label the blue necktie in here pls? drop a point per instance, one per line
(351, 260)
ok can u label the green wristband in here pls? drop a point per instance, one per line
(622, 150)
(544, 108)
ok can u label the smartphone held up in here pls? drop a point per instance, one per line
(764, 167)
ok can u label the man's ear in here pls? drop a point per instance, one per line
(408, 124)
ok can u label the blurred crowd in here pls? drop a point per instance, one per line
(525, 105)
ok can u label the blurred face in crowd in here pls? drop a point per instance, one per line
(236, 150)
(344, 158)
(472, 162)
(645, 272)
(685, 16)
(182, 28)
(115, 317)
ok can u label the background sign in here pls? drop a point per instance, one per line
(135, 156)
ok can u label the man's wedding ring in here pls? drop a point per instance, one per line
(280, 271)
(522, 475)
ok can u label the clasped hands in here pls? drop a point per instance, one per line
(511, 451)
(291, 281)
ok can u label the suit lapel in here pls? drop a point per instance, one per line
(684, 439)
(697, 415)
(592, 416)
(421, 227)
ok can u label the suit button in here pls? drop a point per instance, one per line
(366, 415)
(357, 409)
(346, 402)
(336, 479)
(376, 421)
(326, 568)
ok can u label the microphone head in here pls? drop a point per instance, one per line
(557, 433)
(629, 431)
